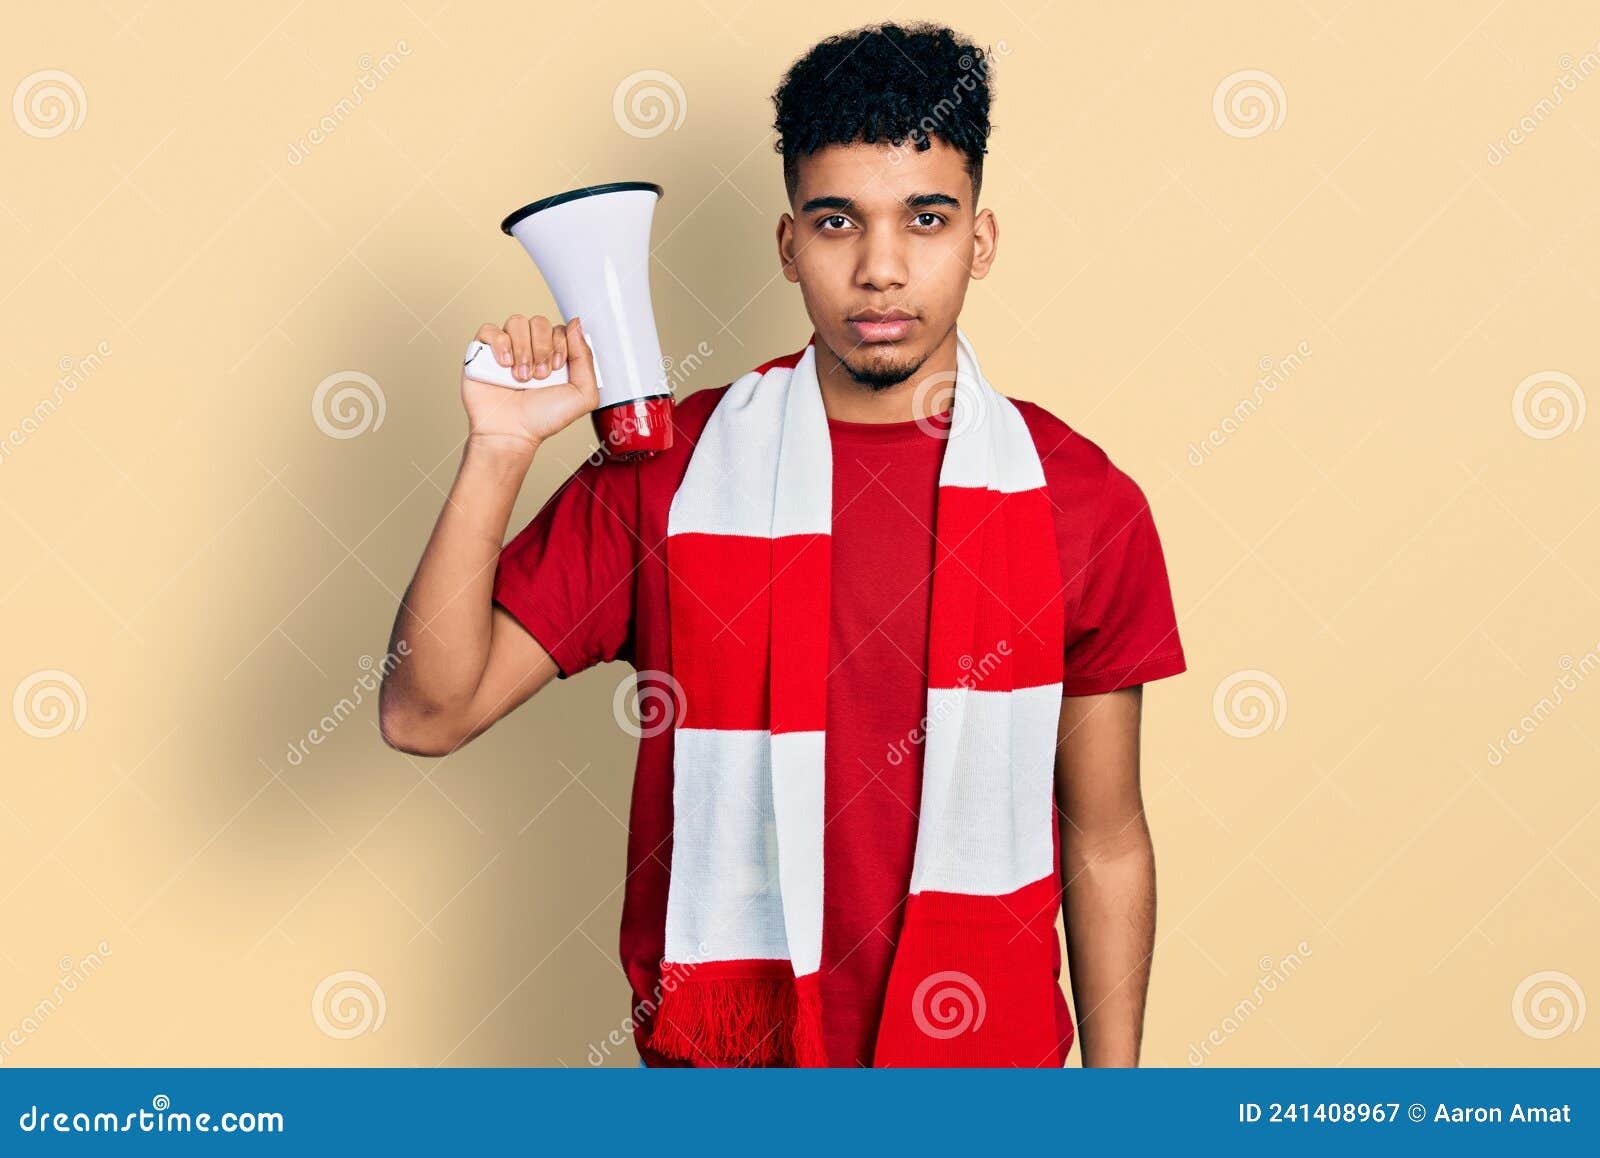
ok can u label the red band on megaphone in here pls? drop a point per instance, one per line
(636, 428)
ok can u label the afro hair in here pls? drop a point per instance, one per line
(886, 82)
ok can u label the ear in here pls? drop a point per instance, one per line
(786, 247)
(985, 241)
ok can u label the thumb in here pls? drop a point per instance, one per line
(580, 362)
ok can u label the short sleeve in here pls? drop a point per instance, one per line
(1124, 630)
(569, 576)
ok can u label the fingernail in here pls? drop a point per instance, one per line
(540, 370)
(505, 358)
(522, 370)
(558, 359)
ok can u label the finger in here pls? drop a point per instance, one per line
(580, 363)
(497, 340)
(521, 346)
(539, 337)
(558, 355)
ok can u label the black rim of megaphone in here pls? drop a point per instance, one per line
(572, 195)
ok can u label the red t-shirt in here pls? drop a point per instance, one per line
(587, 578)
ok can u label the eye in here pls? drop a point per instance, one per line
(934, 220)
(833, 217)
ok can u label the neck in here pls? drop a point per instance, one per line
(850, 401)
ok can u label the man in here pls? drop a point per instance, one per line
(883, 133)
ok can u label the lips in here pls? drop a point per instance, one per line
(882, 325)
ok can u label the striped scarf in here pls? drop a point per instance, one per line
(748, 560)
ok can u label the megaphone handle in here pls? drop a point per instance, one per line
(482, 366)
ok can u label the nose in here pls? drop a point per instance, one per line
(882, 264)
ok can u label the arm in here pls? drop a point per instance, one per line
(466, 662)
(1107, 870)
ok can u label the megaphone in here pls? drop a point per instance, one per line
(592, 245)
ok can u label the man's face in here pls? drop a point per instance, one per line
(882, 242)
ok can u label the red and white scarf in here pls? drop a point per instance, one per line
(748, 542)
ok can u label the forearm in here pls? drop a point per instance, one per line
(1109, 908)
(446, 617)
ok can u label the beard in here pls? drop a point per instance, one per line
(878, 375)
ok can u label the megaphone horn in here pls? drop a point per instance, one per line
(592, 245)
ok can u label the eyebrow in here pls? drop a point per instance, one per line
(914, 201)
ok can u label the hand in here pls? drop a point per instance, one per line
(533, 348)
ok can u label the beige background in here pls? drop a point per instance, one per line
(1407, 556)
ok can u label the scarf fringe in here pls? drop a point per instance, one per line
(809, 1047)
(744, 1021)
